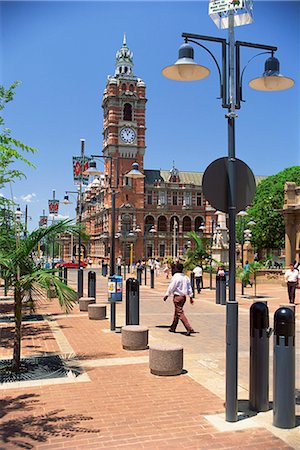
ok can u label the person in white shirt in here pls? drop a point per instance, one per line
(292, 278)
(198, 272)
(180, 287)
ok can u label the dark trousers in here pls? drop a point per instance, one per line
(291, 285)
(179, 301)
(199, 284)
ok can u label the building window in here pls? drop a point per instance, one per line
(174, 198)
(187, 199)
(123, 87)
(162, 250)
(162, 223)
(131, 87)
(127, 181)
(199, 199)
(161, 198)
(186, 224)
(149, 198)
(127, 112)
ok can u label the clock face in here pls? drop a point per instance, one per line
(127, 134)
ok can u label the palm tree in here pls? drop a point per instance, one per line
(198, 253)
(28, 280)
(244, 274)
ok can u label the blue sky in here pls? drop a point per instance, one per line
(62, 53)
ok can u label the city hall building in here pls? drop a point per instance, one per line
(152, 215)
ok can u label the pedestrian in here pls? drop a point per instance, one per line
(247, 274)
(198, 273)
(157, 267)
(166, 270)
(180, 287)
(292, 278)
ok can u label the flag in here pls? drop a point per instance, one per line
(53, 206)
(77, 170)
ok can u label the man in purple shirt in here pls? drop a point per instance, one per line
(180, 287)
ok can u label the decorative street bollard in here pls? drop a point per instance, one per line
(65, 275)
(152, 278)
(222, 281)
(284, 401)
(217, 289)
(259, 357)
(92, 284)
(80, 282)
(132, 302)
(192, 278)
(139, 274)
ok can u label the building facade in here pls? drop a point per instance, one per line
(152, 215)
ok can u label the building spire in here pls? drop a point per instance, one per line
(124, 61)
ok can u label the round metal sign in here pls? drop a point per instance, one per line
(215, 184)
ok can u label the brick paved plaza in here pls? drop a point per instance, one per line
(115, 402)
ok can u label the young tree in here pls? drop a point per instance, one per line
(29, 282)
(199, 253)
(269, 230)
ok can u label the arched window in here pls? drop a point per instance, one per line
(123, 87)
(126, 223)
(127, 112)
(186, 224)
(149, 220)
(131, 87)
(198, 222)
(162, 223)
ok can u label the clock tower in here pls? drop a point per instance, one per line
(124, 106)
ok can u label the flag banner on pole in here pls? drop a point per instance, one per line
(53, 206)
(43, 221)
(77, 170)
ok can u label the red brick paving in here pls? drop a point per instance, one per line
(123, 406)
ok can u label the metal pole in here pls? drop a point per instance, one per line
(26, 221)
(174, 238)
(210, 256)
(53, 236)
(242, 248)
(232, 305)
(79, 274)
(112, 253)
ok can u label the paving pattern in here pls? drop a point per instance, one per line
(116, 402)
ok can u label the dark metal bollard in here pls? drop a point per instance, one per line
(104, 270)
(65, 275)
(192, 278)
(92, 284)
(152, 278)
(132, 302)
(139, 274)
(284, 402)
(119, 268)
(60, 272)
(259, 357)
(217, 289)
(145, 270)
(222, 282)
(80, 282)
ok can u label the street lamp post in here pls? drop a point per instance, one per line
(210, 252)
(79, 270)
(134, 174)
(185, 69)
(242, 215)
(175, 228)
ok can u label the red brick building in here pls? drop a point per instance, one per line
(153, 214)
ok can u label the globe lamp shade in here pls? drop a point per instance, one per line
(271, 80)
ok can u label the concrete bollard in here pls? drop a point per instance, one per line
(166, 359)
(135, 337)
(84, 302)
(96, 311)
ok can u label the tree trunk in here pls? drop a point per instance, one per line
(17, 336)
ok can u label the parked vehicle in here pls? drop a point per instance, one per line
(71, 264)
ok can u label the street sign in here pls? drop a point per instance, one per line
(219, 10)
(215, 184)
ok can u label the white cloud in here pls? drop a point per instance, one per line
(29, 198)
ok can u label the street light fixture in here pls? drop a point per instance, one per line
(92, 171)
(185, 69)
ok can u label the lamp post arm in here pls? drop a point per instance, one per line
(239, 78)
(222, 74)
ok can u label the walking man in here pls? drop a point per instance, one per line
(198, 278)
(292, 278)
(180, 287)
